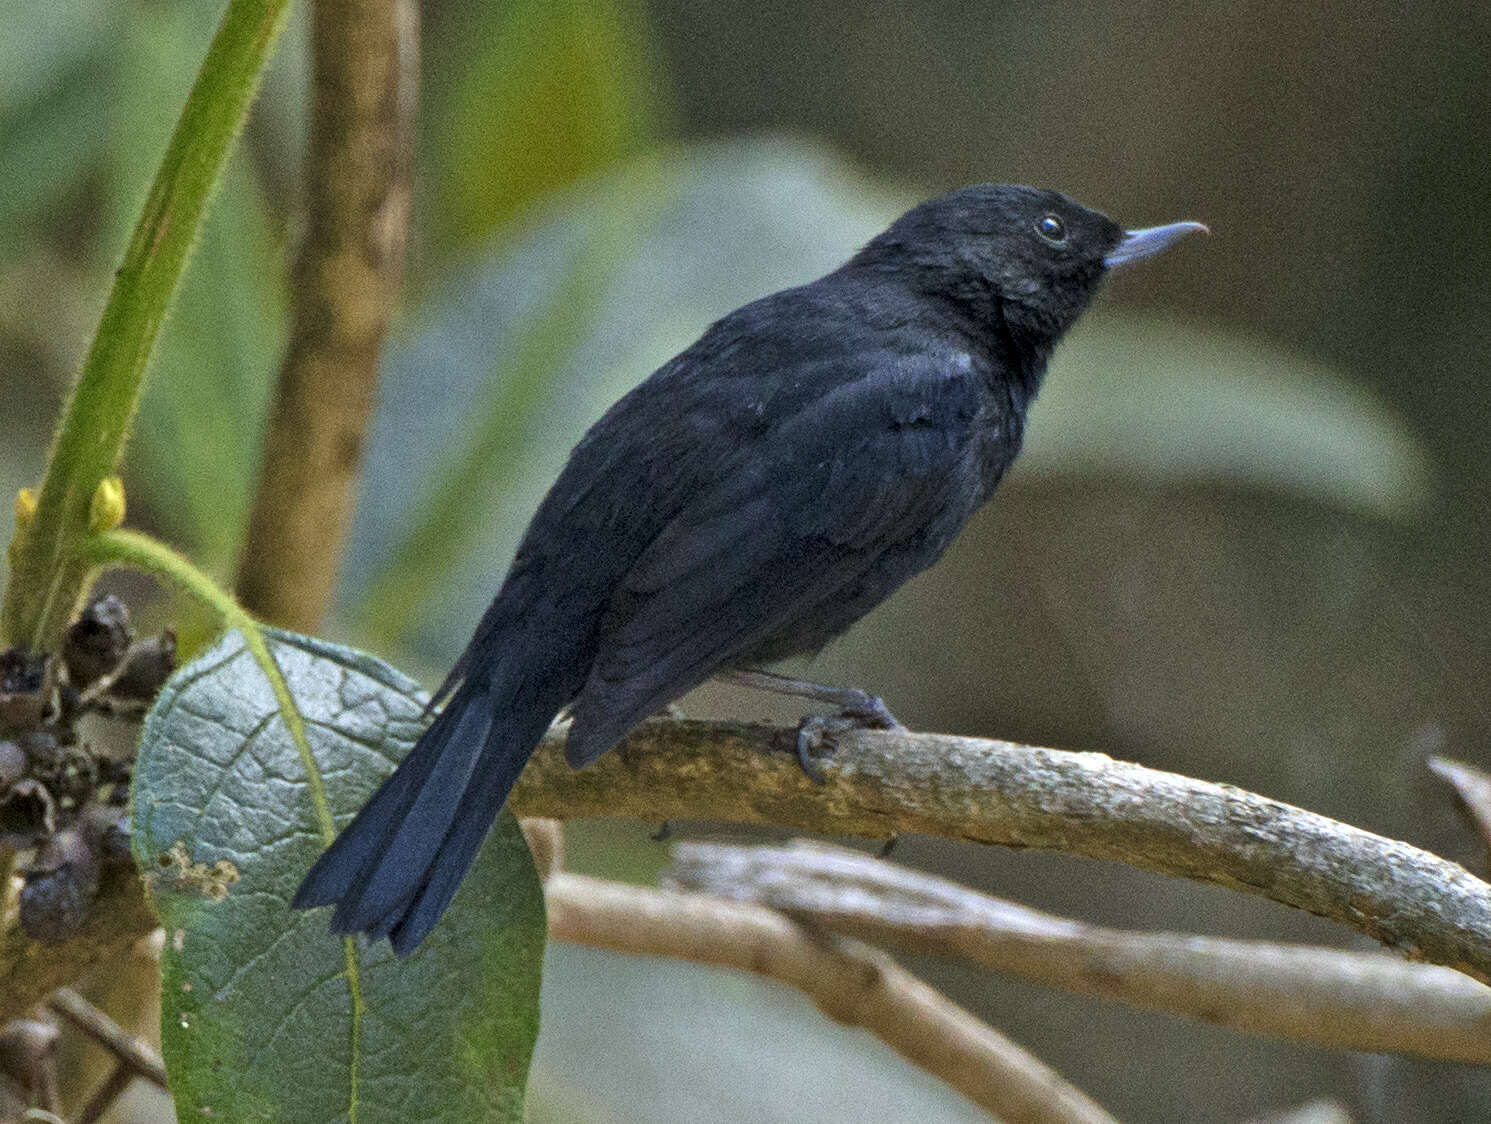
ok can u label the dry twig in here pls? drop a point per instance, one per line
(850, 982)
(1348, 1000)
(132, 1053)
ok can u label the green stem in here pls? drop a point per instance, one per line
(121, 548)
(47, 569)
(136, 551)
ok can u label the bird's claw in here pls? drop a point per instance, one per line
(818, 734)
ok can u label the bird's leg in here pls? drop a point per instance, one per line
(817, 733)
(851, 699)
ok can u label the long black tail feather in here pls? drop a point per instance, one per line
(395, 868)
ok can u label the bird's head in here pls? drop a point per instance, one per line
(1032, 257)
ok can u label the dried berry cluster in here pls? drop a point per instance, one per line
(60, 799)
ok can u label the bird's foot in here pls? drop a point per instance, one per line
(818, 734)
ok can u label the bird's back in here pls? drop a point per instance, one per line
(767, 488)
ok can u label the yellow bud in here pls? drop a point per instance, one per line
(107, 509)
(25, 514)
(25, 508)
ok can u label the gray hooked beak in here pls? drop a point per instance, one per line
(1138, 244)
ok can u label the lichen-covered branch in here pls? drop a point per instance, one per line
(346, 282)
(1347, 1000)
(850, 982)
(887, 782)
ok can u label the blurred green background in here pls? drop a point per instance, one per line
(1248, 541)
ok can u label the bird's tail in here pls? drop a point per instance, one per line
(395, 868)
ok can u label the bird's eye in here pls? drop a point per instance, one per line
(1051, 228)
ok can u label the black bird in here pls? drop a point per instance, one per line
(753, 498)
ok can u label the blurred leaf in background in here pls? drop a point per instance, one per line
(53, 106)
(56, 84)
(497, 434)
(544, 93)
(1165, 402)
(522, 99)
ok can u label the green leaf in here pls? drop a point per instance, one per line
(1159, 400)
(558, 89)
(266, 1016)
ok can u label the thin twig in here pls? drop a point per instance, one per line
(850, 982)
(888, 782)
(1473, 788)
(346, 282)
(103, 1098)
(133, 1052)
(1349, 1000)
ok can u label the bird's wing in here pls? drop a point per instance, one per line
(867, 467)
